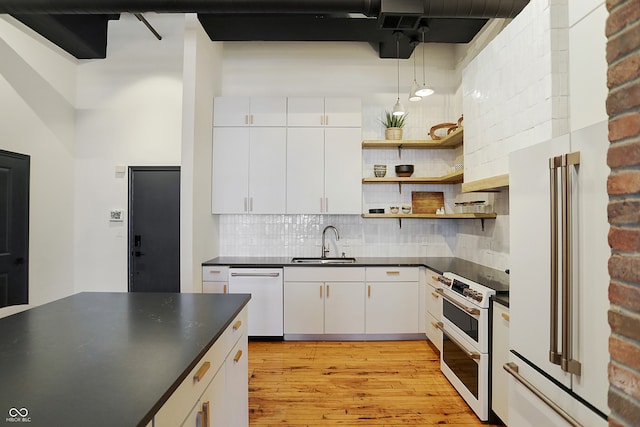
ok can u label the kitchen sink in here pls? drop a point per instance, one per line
(323, 260)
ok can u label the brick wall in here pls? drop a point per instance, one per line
(623, 107)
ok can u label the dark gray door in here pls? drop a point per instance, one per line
(154, 229)
(14, 228)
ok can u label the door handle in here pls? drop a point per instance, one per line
(138, 254)
(470, 354)
(472, 311)
(554, 355)
(19, 261)
(137, 240)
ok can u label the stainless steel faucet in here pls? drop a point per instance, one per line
(325, 249)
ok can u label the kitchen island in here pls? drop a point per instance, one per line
(107, 359)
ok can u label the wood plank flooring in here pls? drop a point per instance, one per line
(379, 383)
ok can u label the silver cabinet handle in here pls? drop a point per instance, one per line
(472, 355)
(554, 164)
(567, 362)
(472, 311)
(255, 274)
(512, 369)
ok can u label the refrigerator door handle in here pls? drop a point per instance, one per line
(512, 369)
(567, 363)
(554, 164)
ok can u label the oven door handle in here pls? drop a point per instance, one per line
(472, 355)
(472, 311)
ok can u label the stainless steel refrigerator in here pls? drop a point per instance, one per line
(559, 281)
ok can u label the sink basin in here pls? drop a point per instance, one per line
(323, 260)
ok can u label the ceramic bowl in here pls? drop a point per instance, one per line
(404, 170)
(406, 209)
(394, 209)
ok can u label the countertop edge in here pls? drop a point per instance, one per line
(165, 397)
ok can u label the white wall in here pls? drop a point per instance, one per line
(199, 229)
(129, 112)
(37, 89)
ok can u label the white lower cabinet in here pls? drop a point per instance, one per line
(392, 300)
(323, 300)
(215, 279)
(500, 356)
(215, 393)
(352, 300)
(434, 310)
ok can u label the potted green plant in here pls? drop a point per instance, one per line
(393, 125)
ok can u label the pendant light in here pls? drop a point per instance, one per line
(398, 109)
(424, 90)
(413, 96)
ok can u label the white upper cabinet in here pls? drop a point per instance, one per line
(249, 174)
(332, 112)
(246, 111)
(323, 172)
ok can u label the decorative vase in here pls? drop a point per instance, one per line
(393, 133)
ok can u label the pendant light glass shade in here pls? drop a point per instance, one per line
(424, 90)
(398, 109)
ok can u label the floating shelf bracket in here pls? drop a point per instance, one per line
(400, 151)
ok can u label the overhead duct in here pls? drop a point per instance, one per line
(366, 7)
(430, 8)
(372, 21)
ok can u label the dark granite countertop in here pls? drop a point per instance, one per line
(502, 299)
(106, 359)
(495, 279)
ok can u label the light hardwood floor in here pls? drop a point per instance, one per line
(388, 383)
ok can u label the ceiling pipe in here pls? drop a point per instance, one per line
(432, 8)
(366, 7)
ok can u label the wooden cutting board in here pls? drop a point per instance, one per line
(426, 202)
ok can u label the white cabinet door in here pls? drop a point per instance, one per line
(231, 111)
(210, 408)
(343, 171)
(500, 356)
(305, 112)
(215, 287)
(230, 175)
(245, 111)
(303, 307)
(344, 308)
(305, 170)
(392, 307)
(237, 371)
(268, 111)
(267, 170)
(248, 170)
(343, 112)
(331, 112)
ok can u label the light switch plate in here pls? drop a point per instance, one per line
(116, 215)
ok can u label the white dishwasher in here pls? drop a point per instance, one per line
(266, 305)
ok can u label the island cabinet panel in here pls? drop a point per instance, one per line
(214, 388)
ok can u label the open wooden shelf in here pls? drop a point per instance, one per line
(436, 216)
(452, 178)
(452, 140)
(494, 183)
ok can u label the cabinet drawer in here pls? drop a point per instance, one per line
(392, 274)
(434, 334)
(324, 274)
(215, 273)
(434, 303)
(178, 406)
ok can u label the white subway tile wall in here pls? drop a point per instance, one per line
(515, 92)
